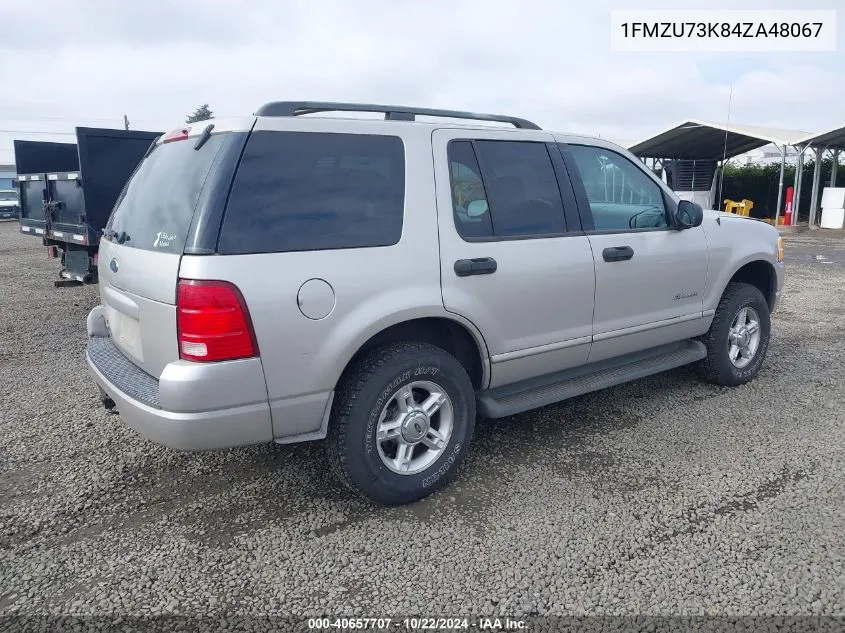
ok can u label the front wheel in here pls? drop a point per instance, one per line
(738, 338)
(401, 422)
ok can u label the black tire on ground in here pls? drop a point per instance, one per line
(365, 389)
(717, 366)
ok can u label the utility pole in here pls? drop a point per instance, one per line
(125, 122)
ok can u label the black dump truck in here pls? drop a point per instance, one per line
(67, 191)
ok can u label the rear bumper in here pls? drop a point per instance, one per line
(192, 407)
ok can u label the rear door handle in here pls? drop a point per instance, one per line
(475, 266)
(617, 253)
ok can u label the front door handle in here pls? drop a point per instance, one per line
(617, 253)
(475, 266)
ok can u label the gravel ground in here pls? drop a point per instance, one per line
(665, 496)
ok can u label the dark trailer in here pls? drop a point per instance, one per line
(33, 159)
(79, 202)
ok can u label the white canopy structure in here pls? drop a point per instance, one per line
(694, 139)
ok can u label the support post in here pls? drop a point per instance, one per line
(834, 167)
(796, 194)
(814, 194)
(780, 183)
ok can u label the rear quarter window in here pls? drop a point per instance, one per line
(298, 191)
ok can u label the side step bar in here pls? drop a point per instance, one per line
(539, 392)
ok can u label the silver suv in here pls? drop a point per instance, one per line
(376, 283)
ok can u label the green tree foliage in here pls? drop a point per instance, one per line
(202, 113)
(759, 183)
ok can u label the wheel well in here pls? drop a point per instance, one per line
(448, 335)
(760, 274)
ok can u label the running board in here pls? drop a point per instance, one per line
(545, 390)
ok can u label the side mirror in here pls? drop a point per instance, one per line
(688, 215)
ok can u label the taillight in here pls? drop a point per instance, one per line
(212, 322)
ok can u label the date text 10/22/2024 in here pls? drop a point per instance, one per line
(418, 624)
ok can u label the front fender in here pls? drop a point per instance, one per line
(733, 242)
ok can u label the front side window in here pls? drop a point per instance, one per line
(504, 189)
(621, 196)
(299, 191)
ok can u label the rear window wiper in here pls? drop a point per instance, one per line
(206, 134)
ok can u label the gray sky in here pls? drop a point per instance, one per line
(87, 62)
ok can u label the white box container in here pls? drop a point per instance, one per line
(833, 198)
(832, 218)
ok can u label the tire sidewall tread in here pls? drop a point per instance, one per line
(362, 393)
(717, 366)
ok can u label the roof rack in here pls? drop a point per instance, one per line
(393, 113)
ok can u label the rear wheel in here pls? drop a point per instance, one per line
(738, 337)
(401, 422)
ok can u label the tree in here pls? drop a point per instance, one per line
(202, 113)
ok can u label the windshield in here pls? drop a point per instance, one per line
(158, 204)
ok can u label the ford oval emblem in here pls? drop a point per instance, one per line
(113, 265)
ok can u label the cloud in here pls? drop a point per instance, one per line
(550, 61)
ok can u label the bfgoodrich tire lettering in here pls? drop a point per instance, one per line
(717, 367)
(366, 388)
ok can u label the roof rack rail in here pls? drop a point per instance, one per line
(394, 113)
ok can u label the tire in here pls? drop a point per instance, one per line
(718, 367)
(374, 385)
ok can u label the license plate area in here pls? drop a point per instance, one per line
(126, 333)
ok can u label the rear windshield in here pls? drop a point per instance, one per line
(297, 191)
(158, 204)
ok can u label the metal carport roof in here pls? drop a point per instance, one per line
(834, 139)
(703, 140)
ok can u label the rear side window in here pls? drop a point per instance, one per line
(298, 191)
(158, 204)
(503, 189)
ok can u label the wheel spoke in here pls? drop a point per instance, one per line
(405, 422)
(434, 440)
(404, 453)
(405, 399)
(752, 327)
(742, 317)
(433, 403)
(746, 352)
(388, 430)
(734, 352)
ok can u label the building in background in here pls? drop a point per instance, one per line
(766, 155)
(8, 192)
